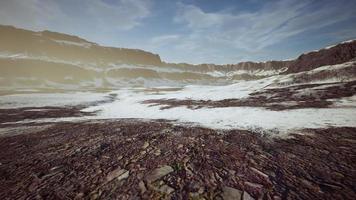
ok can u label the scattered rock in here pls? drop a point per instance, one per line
(124, 176)
(117, 173)
(229, 193)
(159, 173)
(166, 189)
(145, 145)
(157, 152)
(142, 187)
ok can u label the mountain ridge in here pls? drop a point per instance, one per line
(67, 47)
(45, 59)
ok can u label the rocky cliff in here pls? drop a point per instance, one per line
(340, 53)
(68, 48)
(45, 59)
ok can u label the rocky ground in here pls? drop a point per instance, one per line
(137, 159)
(30, 113)
(279, 98)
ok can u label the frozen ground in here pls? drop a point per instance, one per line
(128, 103)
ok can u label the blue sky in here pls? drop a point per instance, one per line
(194, 31)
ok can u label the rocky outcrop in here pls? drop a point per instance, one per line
(337, 54)
(248, 66)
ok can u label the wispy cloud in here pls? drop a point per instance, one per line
(182, 32)
(252, 32)
(163, 40)
(74, 14)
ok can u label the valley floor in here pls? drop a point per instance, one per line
(130, 159)
(249, 140)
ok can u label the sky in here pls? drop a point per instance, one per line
(194, 31)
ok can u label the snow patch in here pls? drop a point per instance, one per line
(129, 105)
(79, 44)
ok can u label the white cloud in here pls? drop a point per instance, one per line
(196, 18)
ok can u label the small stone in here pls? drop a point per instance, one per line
(142, 187)
(80, 195)
(157, 152)
(166, 189)
(180, 146)
(159, 173)
(124, 176)
(230, 193)
(145, 145)
(247, 196)
(117, 173)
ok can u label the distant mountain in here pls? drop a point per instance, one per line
(47, 59)
(332, 55)
(68, 48)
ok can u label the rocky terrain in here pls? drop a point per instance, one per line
(130, 159)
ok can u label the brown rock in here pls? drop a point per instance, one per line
(247, 196)
(117, 173)
(229, 193)
(159, 173)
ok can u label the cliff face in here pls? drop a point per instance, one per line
(69, 48)
(248, 66)
(44, 59)
(332, 55)
(337, 54)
